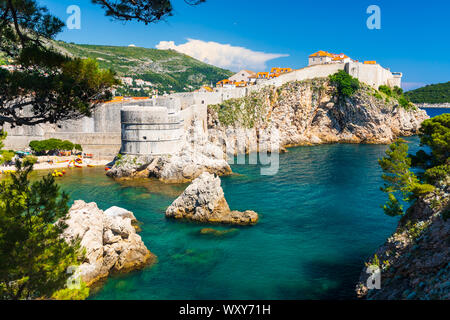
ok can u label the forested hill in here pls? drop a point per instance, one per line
(167, 70)
(433, 93)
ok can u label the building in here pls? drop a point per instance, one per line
(243, 75)
(325, 57)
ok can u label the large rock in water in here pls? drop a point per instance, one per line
(109, 238)
(204, 201)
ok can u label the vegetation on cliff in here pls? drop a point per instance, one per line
(433, 93)
(413, 262)
(345, 84)
(246, 111)
(400, 180)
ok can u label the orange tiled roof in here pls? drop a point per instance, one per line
(370, 62)
(322, 53)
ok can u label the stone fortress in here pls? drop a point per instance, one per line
(156, 126)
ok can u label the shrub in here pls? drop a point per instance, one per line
(386, 90)
(345, 83)
(41, 146)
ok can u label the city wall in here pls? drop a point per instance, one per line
(103, 134)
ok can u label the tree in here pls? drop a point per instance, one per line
(5, 156)
(46, 85)
(147, 11)
(400, 180)
(33, 256)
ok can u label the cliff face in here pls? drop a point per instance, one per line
(415, 260)
(310, 112)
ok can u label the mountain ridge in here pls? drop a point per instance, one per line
(167, 70)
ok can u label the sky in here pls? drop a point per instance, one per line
(259, 34)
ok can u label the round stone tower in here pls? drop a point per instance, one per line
(150, 130)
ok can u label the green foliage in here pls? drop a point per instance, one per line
(415, 230)
(40, 146)
(78, 147)
(435, 174)
(146, 11)
(33, 256)
(396, 93)
(374, 262)
(435, 133)
(396, 165)
(57, 87)
(72, 294)
(386, 90)
(345, 83)
(246, 111)
(30, 159)
(434, 93)
(393, 207)
(6, 156)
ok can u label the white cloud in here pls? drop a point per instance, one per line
(222, 55)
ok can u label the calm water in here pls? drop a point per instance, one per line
(320, 219)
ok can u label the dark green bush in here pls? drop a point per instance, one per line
(345, 83)
(42, 146)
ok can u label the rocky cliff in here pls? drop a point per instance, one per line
(311, 112)
(415, 261)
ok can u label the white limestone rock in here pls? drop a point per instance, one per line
(110, 241)
(204, 201)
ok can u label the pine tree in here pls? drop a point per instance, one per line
(33, 256)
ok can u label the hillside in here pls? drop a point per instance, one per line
(167, 70)
(433, 93)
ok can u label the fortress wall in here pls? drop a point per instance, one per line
(198, 112)
(99, 135)
(372, 74)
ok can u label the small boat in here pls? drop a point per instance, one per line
(90, 165)
(57, 173)
(78, 165)
(63, 161)
(107, 168)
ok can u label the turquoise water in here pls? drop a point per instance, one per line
(320, 219)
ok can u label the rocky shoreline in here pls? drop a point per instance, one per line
(109, 239)
(415, 261)
(309, 113)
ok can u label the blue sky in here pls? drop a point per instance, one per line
(413, 39)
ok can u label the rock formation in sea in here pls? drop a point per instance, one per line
(204, 201)
(415, 260)
(109, 239)
(311, 112)
(196, 156)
